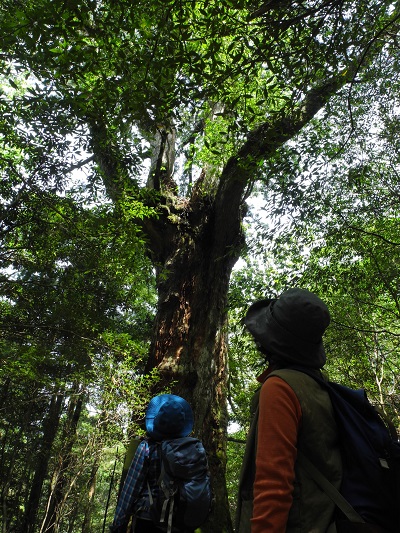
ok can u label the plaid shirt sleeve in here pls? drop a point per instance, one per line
(132, 486)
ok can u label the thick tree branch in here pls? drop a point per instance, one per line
(242, 168)
(162, 161)
(108, 156)
(271, 135)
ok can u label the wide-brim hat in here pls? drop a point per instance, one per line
(168, 417)
(289, 329)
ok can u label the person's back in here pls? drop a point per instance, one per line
(295, 414)
(167, 417)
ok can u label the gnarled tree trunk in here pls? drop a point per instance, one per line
(194, 243)
(190, 333)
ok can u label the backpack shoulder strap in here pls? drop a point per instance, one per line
(322, 481)
(330, 490)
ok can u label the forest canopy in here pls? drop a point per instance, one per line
(144, 148)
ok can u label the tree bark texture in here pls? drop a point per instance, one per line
(189, 345)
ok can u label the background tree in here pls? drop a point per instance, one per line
(70, 309)
(209, 93)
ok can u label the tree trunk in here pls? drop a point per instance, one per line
(50, 427)
(90, 497)
(52, 518)
(190, 332)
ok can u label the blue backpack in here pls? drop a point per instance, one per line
(184, 499)
(369, 498)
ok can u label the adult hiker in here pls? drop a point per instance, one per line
(167, 417)
(292, 415)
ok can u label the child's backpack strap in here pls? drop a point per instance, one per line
(168, 489)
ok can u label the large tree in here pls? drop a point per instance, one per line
(203, 92)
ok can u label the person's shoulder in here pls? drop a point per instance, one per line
(296, 374)
(279, 383)
(296, 379)
(144, 446)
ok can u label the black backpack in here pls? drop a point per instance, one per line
(369, 498)
(184, 497)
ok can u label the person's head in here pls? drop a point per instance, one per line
(289, 329)
(168, 417)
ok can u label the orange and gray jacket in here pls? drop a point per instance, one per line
(311, 509)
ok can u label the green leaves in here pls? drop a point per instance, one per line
(87, 85)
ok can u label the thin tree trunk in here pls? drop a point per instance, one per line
(50, 427)
(90, 497)
(52, 518)
(72, 520)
